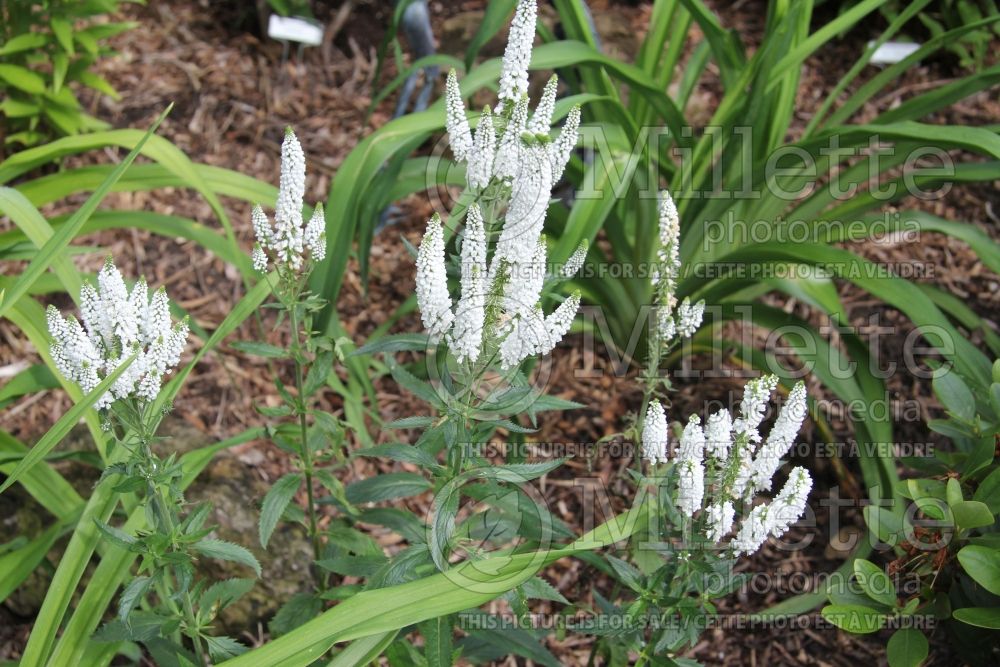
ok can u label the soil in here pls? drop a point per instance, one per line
(233, 95)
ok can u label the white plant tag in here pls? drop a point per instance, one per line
(891, 53)
(294, 29)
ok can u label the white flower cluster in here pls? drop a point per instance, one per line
(288, 239)
(512, 153)
(687, 318)
(719, 466)
(116, 325)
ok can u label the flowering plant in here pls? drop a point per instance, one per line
(311, 436)
(709, 479)
(126, 334)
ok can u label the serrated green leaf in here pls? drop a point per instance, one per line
(132, 596)
(386, 487)
(275, 502)
(222, 550)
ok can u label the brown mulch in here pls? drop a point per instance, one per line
(233, 95)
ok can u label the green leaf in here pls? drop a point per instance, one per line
(117, 536)
(223, 648)
(64, 33)
(907, 648)
(407, 342)
(539, 589)
(299, 610)
(22, 78)
(400, 452)
(856, 619)
(953, 492)
(955, 395)
(988, 491)
(222, 550)
(981, 617)
(983, 565)
(971, 514)
(438, 641)
(275, 502)
(259, 349)
(464, 587)
(221, 594)
(409, 422)
(386, 487)
(319, 370)
(132, 596)
(17, 565)
(55, 434)
(25, 42)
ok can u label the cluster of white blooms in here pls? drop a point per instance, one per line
(655, 435)
(289, 237)
(687, 318)
(512, 152)
(717, 466)
(117, 324)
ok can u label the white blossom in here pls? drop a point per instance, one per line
(481, 157)
(790, 503)
(526, 335)
(718, 435)
(117, 325)
(689, 317)
(775, 517)
(467, 336)
(459, 134)
(575, 261)
(692, 445)
(754, 403)
(511, 147)
(753, 532)
(690, 486)
(525, 281)
(258, 258)
(559, 150)
(655, 439)
(289, 238)
(526, 214)
(541, 120)
(720, 520)
(261, 226)
(315, 234)
(780, 439)
(432, 282)
(517, 56)
(287, 232)
(558, 323)
(666, 274)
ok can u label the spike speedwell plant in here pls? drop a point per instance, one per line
(712, 478)
(127, 339)
(313, 437)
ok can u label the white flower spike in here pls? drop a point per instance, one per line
(432, 282)
(655, 441)
(117, 324)
(466, 338)
(517, 56)
(456, 122)
(575, 261)
(288, 239)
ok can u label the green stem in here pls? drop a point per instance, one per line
(306, 453)
(166, 516)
